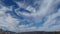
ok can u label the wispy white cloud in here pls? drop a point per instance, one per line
(7, 20)
(46, 8)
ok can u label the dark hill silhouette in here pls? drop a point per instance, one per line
(34, 32)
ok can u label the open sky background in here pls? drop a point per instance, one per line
(30, 15)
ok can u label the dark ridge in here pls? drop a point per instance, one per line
(6, 32)
(34, 32)
(39, 32)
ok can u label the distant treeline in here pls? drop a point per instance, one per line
(35, 32)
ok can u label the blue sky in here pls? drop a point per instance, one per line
(30, 15)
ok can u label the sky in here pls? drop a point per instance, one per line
(30, 15)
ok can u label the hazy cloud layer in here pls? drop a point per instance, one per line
(21, 16)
